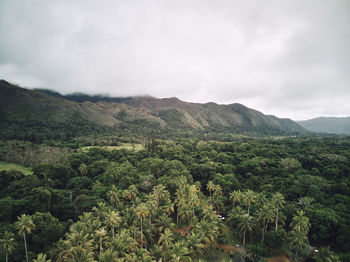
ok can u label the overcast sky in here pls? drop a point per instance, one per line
(289, 58)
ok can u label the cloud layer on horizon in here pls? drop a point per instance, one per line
(288, 58)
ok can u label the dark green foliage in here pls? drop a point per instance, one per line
(311, 174)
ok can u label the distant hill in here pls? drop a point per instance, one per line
(47, 114)
(332, 125)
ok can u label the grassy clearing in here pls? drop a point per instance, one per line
(11, 166)
(128, 146)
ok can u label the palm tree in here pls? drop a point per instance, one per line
(122, 243)
(141, 255)
(157, 252)
(142, 212)
(235, 215)
(208, 212)
(184, 211)
(210, 187)
(100, 211)
(100, 233)
(109, 255)
(260, 199)
(164, 222)
(133, 192)
(113, 219)
(166, 239)
(278, 202)
(179, 252)
(299, 240)
(249, 197)
(208, 230)
(7, 243)
(300, 222)
(25, 224)
(235, 197)
(78, 254)
(168, 207)
(265, 215)
(41, 258)
(160, 193)
(193, 198)
(78, 238)
(246, 224)
(195, 245)
(113, 195)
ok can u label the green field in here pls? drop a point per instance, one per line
(128, 146)
(11, 166)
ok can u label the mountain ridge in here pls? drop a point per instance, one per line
(330, 125)
(134, 115)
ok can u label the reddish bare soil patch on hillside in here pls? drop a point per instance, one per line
(183, 230)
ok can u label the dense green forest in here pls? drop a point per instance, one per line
(182, 201)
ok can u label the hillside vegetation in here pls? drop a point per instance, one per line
(42, 115)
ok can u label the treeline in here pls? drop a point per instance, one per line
(176, 201)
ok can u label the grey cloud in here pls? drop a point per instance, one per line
(288, 58)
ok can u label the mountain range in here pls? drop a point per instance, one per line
(48, 114)
(330, 125)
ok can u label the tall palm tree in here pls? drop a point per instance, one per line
(41, 258)
(113, 220)
(235, 197)
(160, 193)
(248, 198)
(260, 199)
(300, 222)
(278, 202)
(265, 215)
(216, 198)
(7, 243)
(246, 223)
(133, 192)
(210, 187)
(100, 233)
(142, 212)
(193, 198)
(25, 225)
(113, 195)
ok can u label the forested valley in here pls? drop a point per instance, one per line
(250, 199)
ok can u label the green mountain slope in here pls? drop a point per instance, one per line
(34, 114)
(332, 125)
